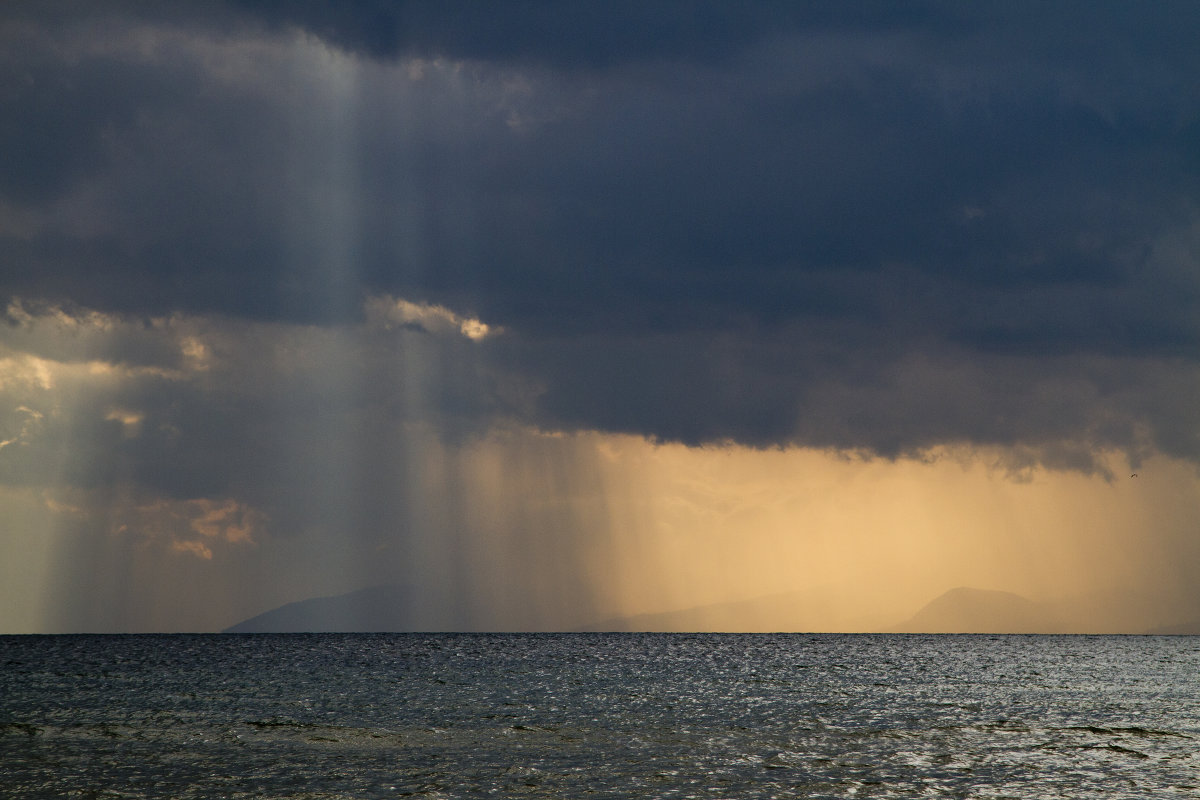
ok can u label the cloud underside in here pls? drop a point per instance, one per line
(191, 407)
(882, 231)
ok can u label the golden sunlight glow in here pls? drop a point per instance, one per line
(25, 371)
(847, 543)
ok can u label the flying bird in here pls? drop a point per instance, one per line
(1134, 475)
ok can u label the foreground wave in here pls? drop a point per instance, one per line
(599, 715)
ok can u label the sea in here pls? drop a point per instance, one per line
(599, 716)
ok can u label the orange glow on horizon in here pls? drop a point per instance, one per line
(866, 542)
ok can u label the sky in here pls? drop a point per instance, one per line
(554, 314)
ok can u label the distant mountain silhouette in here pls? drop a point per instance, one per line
(809, 611)
(963, 610)
(966, 610)
(375, 609)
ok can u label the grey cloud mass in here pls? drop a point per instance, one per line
(871, 227)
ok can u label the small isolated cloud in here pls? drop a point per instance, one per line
(44, 340)
(195, 548)
(130, 421)
(199, 526)
(193, 526)
(390, 312)
(25, 426)
(26, 315)
(196, 354)
(23, 371)
(225, 520)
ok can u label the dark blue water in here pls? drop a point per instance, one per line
(602, 716)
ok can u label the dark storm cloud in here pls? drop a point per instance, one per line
(587, 35)
(877, 227)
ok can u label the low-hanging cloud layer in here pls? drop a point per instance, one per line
(256, 260)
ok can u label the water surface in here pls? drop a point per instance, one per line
(599, 715)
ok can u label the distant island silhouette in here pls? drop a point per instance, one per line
(967, 610)
(374, 609)
(393, 608)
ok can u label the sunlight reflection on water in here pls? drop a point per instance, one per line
(610, 715)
